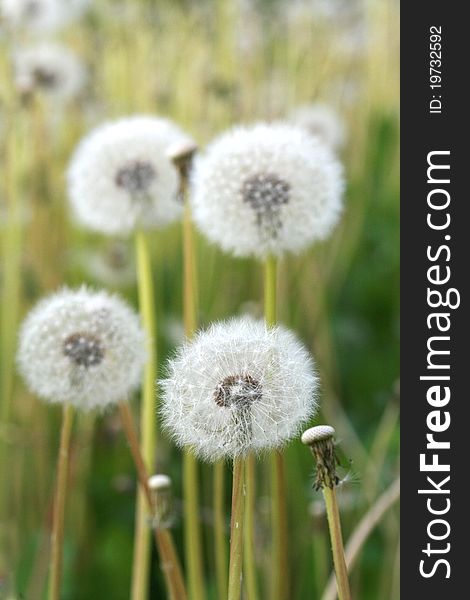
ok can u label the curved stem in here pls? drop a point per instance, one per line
(220, 542)
(163, 538)
(251, 583)
(236, 531)
(141, 562)
(57, 538)
(280, 570)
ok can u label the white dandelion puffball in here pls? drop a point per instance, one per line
(322, 121)
(267, 189)
(40, 16)
(50, 69)
(120, 177)
(238, 387)
(82, 347)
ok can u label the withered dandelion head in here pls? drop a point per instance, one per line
(82, 347)
(267, 189)
(238, 387)
(120, 177)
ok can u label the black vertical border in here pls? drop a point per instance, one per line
(422, 132)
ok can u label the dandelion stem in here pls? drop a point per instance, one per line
(57, 538)
(250, 562)
(141, 563)
(236, 531)
(334, 524)
(193, 544)
(163, 538)
(220, 542)
(280, 571)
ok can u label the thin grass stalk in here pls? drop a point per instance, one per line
(280, 571)
(57, 537)
(163, 539)
(141, 561)
(192, 540)
(220, 541)
(251, 583)
(236, 531)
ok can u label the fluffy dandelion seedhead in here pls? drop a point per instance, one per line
(40, 16)
(82, 347)
(266, 190)
(238, 387)
(51, 69)
(321, 121)
(121, 178)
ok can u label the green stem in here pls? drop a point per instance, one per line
(280, 571)
(251, 584)
(192, 540)
(334, 524)
(57, 538)
(236, 531)
(220, 542)
(141, 562)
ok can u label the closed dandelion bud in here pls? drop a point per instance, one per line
(160, 487)
(321, 121)
(82, 347)
(267, 189)
(238, 387)
(49, 69)
(121, 179)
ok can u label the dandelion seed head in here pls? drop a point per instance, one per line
(238, 387)
(40, 16)
(315, 434)
(82, 347)
(120, 177)
(266, 189)
(51, 69)
(321, 121)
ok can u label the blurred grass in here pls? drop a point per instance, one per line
(207, 65)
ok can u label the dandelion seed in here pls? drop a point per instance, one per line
(82, 347)
(238, 387)
(266, 190)
(322, 121)
(121, 179)
(50, 69)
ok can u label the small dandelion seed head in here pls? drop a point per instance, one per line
(82, 347)
(320, 120)
(238, 387)
(315, 434)
(50, 69)
(120, 177)
(40, 16)
(266, 189)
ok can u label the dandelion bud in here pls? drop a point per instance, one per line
(50, 69)
(238, 387)
(82, 347)
(120, 177)
(266, 190)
